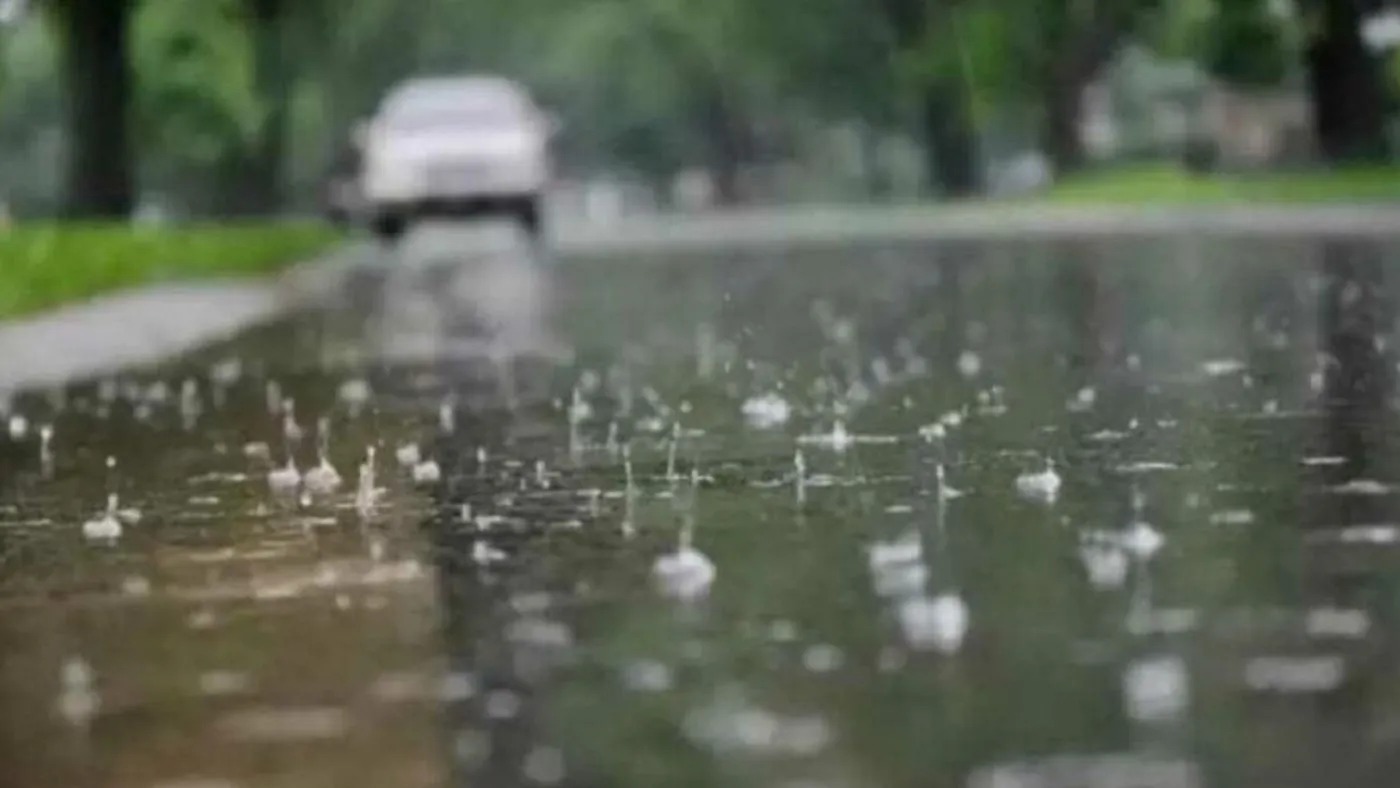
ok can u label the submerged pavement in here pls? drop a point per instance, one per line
(140, 327)
(901, 511)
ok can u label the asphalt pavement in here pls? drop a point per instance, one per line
(855, 498)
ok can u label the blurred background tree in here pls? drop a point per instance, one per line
(96, 46)
(197, 107)
(238, 107)
(1345, 76)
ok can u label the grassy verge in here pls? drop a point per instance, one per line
(45, 265)
(1164, 184)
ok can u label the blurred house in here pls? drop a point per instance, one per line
(1146, 107)
(12, 10)
(1258, 128)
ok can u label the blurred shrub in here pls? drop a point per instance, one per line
(43, 265)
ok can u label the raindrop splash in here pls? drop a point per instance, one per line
(671, 453)
(105, 527)
(766, 411)
(285, 480)
(447, 418)
(46, 450)
(19, 427)
(799, 475)
(1040, 487)
(292, 432)
(408, 455)
(365, 493)
(938, 623)
(324, 479)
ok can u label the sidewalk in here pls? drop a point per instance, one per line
(145, 325)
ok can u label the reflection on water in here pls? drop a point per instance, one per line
(982, 515)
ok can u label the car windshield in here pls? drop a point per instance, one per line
(439, 115)
(455, 104)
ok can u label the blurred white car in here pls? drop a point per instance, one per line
(455, 146)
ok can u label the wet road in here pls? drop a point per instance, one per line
(1063, 512)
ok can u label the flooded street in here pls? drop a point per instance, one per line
(997, 514)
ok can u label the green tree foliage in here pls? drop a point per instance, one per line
(197, 103)
(677, 84)
(1247, 43)
(240, 105)
(1250, 45)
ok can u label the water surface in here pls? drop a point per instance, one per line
(1209, 598)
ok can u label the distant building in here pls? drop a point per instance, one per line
(1258, 128)
(12, 10)
(1142, 106)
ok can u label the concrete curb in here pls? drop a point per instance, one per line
(145, 325)
(765, 230)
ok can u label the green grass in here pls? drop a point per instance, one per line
(1165, 184)
(45, 265)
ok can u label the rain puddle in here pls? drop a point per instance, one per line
(1000, 515)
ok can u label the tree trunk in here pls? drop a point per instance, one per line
(235, 194)
(724, 166)
(1060, 134)
(950, 149)
(100, 181)
(1347, 91)
(1082, 49)
(872, 170)
(951, 164)
(726, 148)
(266, 157)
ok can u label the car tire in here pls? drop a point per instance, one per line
(389, 227)
(527, 212)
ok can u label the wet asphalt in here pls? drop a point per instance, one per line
(1054, 511)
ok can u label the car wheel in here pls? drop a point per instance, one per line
(390, 227)
(527, 212)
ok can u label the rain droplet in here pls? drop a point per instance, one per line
(502, 704)
(822, 658)
(969, 364)
(544, 766)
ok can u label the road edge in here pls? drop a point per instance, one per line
(145, 325)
